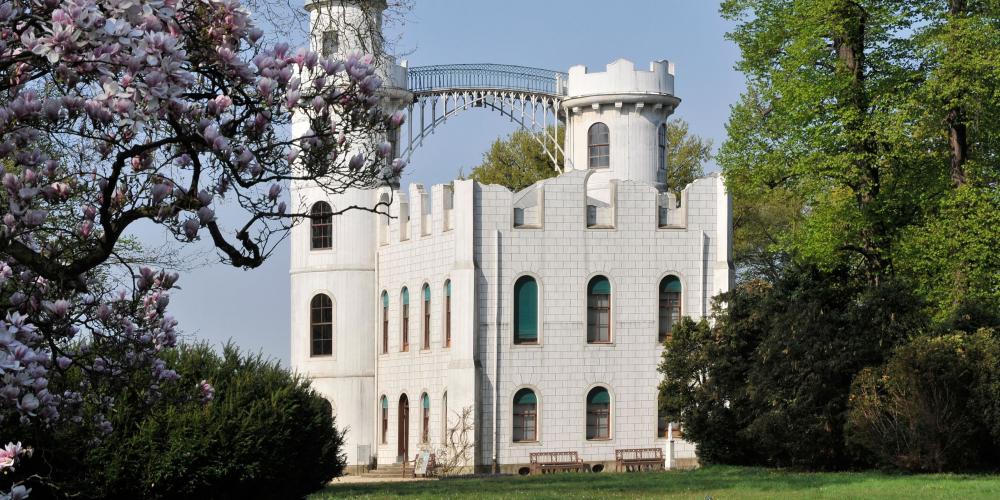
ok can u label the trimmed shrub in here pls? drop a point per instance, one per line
(264, 433)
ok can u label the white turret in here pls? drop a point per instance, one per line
(333, 296)
(616, 119)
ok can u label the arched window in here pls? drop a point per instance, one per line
(670, 306)
(321, 325)
(599, 310)
(447, 313)
(525, 416)
(525, 311)
(405, 304)
(385, 322)
(321, 222)
(427, 317)
(599, 146)
(425, 410)
(444, 418)
(385, 420)
(598, 414)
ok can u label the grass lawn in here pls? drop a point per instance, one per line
(716, 482)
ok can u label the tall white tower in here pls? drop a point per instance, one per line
(333, 276)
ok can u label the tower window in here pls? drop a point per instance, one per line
(330, 43)
(525, 416)
(425, 406)
(385, 420)
(321, 325)
(599, 146)
(670, 306)
(405, 296)
(321, 224)
(526, 311)
(661, 141)
(598, 414)
(599, 310)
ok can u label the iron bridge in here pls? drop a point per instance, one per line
(530, 97)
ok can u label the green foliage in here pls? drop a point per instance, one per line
(932, 405)
(768, 383)
(266, 434)
(519, 160)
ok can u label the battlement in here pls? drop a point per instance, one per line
(414, 214)
(621, 77)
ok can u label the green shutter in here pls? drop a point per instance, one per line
(385, 299)
(599, 286)
(525, 397)
(385, 403)
(427, 293)
(526, 309)
(598, 396)
(447, 288)
(425, 401)
(670, 284)
(406, 296)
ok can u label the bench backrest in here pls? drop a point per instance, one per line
(553, 457)
(639, 454)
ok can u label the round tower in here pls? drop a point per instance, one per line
(333, 296)
(617, 120)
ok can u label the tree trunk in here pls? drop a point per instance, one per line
(957, 132)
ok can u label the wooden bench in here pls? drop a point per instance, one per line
(633, 459)
(551, 461)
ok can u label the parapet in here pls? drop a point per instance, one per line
(414, 214)
(621, 77)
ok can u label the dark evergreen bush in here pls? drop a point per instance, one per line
(263, 434)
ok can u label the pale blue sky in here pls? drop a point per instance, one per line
(252, 307)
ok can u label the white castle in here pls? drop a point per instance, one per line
(539, 315)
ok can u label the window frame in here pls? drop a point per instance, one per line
(599, 310)
(323, 230)
(606, 413)
(384, 406)
(426, 294)
(385, 322)
(404, 312)
(326, 341)
(447, 313)
(516, 416)
(425, 418)
(674, 311)
(595, 158)
(515, 320)
(661, 145)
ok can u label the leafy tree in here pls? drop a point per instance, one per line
(519, 160)
(768, 383)
(124, 112)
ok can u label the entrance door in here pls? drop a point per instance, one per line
(402, 449)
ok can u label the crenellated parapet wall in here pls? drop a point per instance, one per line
(621, 77)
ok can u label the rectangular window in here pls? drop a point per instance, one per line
(524, 423)
(598, 421)
(599, 318)
(330, 43)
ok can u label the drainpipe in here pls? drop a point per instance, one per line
(496, 358)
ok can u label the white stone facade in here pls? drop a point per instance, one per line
(614, 221)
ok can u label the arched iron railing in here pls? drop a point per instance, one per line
(486, 76)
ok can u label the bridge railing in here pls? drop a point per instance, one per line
(486, 76)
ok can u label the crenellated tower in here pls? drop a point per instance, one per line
(333, 262)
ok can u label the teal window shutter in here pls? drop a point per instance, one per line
(447, 288)
(526, 310)
(406, 296)
(425, 401)
(598, 395)
(385, 403)
(525, 397)
(385, 299)
(427, 293)
(599, 286)
(670, 284)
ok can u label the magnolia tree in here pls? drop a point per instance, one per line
(116, 112)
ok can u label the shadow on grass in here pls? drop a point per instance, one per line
(716, 481)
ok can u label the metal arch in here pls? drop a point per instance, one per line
(516, 92)
(522, 108)
(421, 79)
